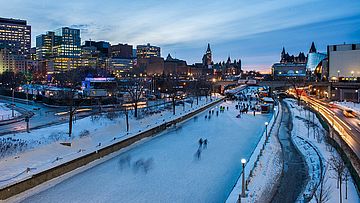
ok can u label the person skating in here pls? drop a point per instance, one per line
(198, 154)
(205, 143)
(200, 142)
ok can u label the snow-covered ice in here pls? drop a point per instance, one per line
(41, 149)
(174, 173)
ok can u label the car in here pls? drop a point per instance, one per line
(348, 113)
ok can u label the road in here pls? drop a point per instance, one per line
(348, 127)
(43, 116)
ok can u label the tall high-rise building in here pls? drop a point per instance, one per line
(15, 43)
(45, 44)
(62, 47)
(16, 36)
(146, 51)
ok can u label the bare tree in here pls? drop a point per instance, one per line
(172, 89)
(346, 179)
(136, 92)
(323, 190)
(297, 84)
(337, 165)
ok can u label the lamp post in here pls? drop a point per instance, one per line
(13, 104)
(243, 161)
(266, 132)
(338, 72)
(357, 91)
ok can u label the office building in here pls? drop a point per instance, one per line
(62, 47)
(147, 51)
(15, 35)
(123, 51)
(45, 44)
(15, 43)
(344, 62)
(10, 62)
(120, 67)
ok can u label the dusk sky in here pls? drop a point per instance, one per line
(254, 31)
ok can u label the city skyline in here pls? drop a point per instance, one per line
(233, 28)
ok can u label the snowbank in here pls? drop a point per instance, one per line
(5, 112)
(349, 105)
(309, 137)
(254, 161)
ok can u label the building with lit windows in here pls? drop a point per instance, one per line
(344, 62)
(16, 36)
(10, 62)
(290, 66)
(120, 67)
(147, 51)
(95, 54)
(45, 44)
(15, 44)
(62, 47)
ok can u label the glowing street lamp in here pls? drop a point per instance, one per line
(243, 161)
(266, 125)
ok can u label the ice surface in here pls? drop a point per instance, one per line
(174, 174)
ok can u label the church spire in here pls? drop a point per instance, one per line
(312, 48)
(208, 48)
(283, 51)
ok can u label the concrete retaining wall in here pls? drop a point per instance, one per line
(57, 171)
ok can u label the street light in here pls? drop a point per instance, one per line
(266, 125)
(243, 161)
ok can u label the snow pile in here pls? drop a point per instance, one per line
(41, 149)
(267, 170)
(251, 169)
(309, 136)
(314, 165)
(5, 112)
(350, 105)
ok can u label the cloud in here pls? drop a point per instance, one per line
(253, 30)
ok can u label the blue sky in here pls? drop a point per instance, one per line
(254, 31)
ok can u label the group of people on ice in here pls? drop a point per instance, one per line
(140, 164)
(202, 145)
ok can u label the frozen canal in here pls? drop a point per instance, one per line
(174, 173)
